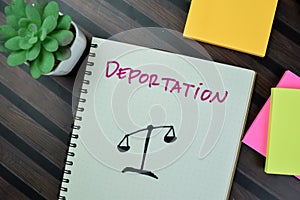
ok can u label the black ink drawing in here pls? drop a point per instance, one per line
(123, 146)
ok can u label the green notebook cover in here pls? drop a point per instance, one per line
(283, 151)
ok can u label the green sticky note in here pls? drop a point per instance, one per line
(283, 151)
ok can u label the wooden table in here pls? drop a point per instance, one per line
(36, 115)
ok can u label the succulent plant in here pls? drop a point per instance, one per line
(35, 34)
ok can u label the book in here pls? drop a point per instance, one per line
(152, 124)
(256, 136)
(239, 25)
(283, 148)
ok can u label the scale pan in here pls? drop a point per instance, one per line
(169, 139)
(123, 148)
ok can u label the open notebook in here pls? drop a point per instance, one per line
(155, 125)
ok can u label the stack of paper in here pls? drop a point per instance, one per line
(257, 135)
(283, 151)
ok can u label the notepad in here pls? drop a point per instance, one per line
(240, 25)
(256, 136)
(152, 124)
(283, 149)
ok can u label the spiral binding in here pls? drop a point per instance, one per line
(75, 127)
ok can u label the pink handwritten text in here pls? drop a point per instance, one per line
(197, 92)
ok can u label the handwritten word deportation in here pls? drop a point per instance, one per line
(170, 84)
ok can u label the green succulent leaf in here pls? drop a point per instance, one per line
(24, 22)
(15, 12)
(22, 32)
(13, 44)
(50, 44)
(49, 24)
(3, 49)
(25, 44)
(64, 22)
(12, 21)
(32, 40)
(40, 5)
(63, 53)
(18, 8)
(16, 58)
(46, 61)
(32, 28)
(35, 70)
(33, 14)
(43, 34)
(8, 10)
(51, 9)
(64, 37)
(7, 32)
(34, 52)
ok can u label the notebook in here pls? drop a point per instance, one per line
(239, 25)
(283, 148)
(256, 136)
(155, 125)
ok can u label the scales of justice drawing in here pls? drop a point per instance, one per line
(123, 146)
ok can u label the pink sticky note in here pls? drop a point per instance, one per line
(257, 135)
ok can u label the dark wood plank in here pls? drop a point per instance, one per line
(32, 133)
(8, 191)
(252, 165)
(289, 57)
(28, 171)
(100, 13)
(288, 12)
(174, 18)
(239, 192)
(43, 100)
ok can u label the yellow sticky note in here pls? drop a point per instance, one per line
(242, 25)
(283, 149)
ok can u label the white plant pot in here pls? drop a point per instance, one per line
(77, 48)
